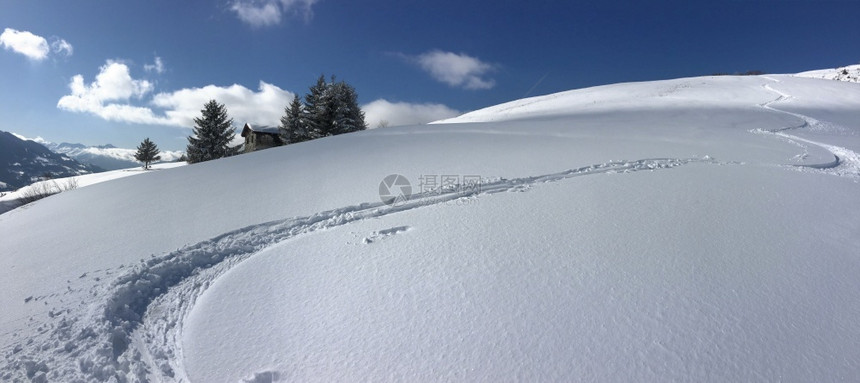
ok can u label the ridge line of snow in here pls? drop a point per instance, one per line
(101, 342)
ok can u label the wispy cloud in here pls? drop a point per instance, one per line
(115, 95)
(257, 14)
(403, 113)
(33, 46)
(457, 70)
(61, 46)
(263, 13)
(301, 8)
(157, 66)
(38, 139)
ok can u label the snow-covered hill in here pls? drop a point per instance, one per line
(699, 229)
(107, 157)
(11, 200)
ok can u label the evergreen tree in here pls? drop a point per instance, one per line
(213, 133)
(348, 116)
(331, 108)
(317, 110)
(147, 152)
(293, 129)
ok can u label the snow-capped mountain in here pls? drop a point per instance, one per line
(696, 229)
(108, 157)
(24, 162)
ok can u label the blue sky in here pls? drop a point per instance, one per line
(99, 72)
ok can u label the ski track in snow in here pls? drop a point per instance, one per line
(846, 162)
(133, 332)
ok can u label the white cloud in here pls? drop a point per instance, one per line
(266, 106)
(402, 113)
(459, 70)
(113, 83)
(257, 14)
(262, 13)
(33, 46)
(62, 46)
(157, 66)
(113, 93)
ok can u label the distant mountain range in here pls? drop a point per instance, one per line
(107, 157)
(23, 162)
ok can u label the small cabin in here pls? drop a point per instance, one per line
(260, 137)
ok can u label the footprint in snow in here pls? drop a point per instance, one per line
(263, 377)
(382, 234)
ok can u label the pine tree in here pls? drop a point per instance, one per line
(147, 152)
(317, 110)
(348, 116)
(331, 108)
(293, 129)
(213, 133)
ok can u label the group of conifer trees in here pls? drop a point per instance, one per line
(330, 108)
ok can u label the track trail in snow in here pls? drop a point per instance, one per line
(846, 162)
(133, 332)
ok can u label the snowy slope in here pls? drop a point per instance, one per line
(698, 229)
(10, 200)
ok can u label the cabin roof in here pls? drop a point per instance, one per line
(259, 129)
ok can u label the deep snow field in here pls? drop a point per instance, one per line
(698, 229)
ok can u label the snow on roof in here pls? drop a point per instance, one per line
(260, 129)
